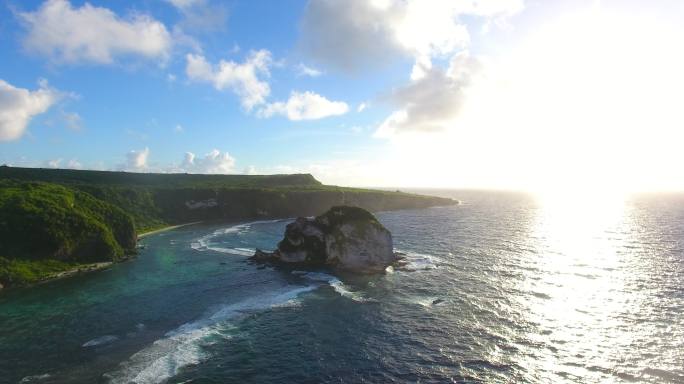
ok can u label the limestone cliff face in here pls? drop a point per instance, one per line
(344, 238)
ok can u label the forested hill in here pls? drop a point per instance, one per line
(52, 219)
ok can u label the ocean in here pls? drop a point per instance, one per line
(503, 288)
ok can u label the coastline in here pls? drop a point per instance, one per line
(84, 268)
(64, 274)
(91, 267)
(164, 229)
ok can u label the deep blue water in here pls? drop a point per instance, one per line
(502, 288)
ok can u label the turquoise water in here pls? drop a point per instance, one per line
(503, 288)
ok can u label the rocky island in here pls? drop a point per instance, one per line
(344, 238)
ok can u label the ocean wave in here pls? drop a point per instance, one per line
(203, 243)
(429, 301)
(233, 251)
(35, 378)
(414, 261)
(106, 339)
(182, 347)
(334, 283)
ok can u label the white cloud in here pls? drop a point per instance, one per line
(57, 163)
(178, 128)
(242, 78)
(18, 106)
(92, 34)
(432, 101)
(136, 160)
(53, 163)
(361, 107)
(214, 162)
(305, 106)
(305, 70)
(250, 170)
(74, 164)
(353, 34)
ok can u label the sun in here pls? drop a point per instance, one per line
(598, 92)
(585, 103)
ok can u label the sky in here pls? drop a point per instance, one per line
(506, 94)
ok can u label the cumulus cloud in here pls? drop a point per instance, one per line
(136, 160)
(18, 106)
(215, 162)
(241, 78)
(92, 34)
(432, 101)
(305, 106)
(353, 34)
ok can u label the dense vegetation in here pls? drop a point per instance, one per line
(42, 222)
(51, 220)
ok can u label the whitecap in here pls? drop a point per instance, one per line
(429, 301)
(203, 243)
(333, 282)
(233, 251)
(35, 378)
(182, 347)
(417, 261)
(106, 339)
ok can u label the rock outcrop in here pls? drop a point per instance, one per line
(344, 238)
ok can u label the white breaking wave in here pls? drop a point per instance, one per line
(183, 346)
(106, 339)
(204, 243)
(417, 261)
(335, 283)
(233, 251)
(35, 378)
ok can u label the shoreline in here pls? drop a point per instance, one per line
(91, 267)
(164, 229)
(65, 274)
(84, 268)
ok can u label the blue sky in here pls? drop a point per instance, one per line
(385, 93)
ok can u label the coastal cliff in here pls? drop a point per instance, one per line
(52, 220)
(344, 238)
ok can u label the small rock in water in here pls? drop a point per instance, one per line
(437, 301)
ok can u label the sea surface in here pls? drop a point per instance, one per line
(503, 288)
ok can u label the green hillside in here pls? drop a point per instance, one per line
(47, 227)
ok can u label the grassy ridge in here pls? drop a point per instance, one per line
(159, 180)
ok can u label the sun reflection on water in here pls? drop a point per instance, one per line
(578, 286)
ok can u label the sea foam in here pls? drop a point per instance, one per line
(333, 282)
(204, 243)
(106, 339)
(417, 261)
(182, 347)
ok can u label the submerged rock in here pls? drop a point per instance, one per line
(345, 238)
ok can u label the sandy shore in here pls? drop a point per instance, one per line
(140, 236)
